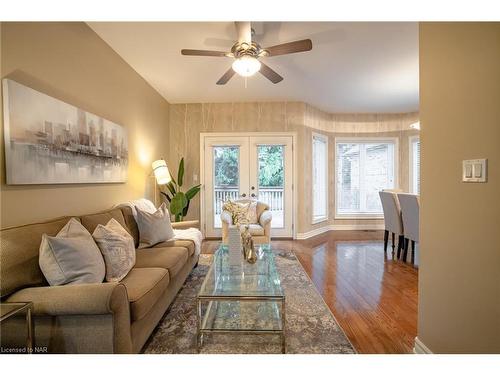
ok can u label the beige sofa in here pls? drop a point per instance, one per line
(261, 232)
(92, 318)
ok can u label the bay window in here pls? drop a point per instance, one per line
(319, 177)
(363, 168)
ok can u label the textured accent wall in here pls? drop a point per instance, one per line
(187, 121)
(70, 62)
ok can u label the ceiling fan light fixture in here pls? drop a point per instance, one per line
(246, 65)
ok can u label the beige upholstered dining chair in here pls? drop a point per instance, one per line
(392, 219)
(410, 210)
(261, 231)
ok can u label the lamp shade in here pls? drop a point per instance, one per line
(161, 172)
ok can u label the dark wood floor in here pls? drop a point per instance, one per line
(373, 297)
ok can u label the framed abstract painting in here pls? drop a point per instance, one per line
(48, 141)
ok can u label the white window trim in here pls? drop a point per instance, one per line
(395, 141)
(412, 139)
(325, 138)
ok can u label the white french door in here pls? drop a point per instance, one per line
(256, 167)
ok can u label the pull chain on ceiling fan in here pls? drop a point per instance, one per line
(246, 54)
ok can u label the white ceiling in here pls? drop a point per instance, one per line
(353, 67)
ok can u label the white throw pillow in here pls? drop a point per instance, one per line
(71, 257)
(154, 227)
(117, 248)
(252, 213)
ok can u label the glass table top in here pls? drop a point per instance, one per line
(225, 279)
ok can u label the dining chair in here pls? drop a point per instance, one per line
(410, 209)
(392, 219)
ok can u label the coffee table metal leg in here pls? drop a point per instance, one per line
(29, 328)
(199, 336)
(283, 320)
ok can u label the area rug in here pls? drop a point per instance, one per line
(310, 326)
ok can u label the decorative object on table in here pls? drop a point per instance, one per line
(48, 141)
(234, 245)
(248, 247)
(178, 200)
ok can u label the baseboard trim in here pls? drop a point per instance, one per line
(420, 347)
(327, 228)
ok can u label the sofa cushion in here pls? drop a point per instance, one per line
(117, 248)
(154, 227)
(144, 288)
(254, 229)
(133, 229)
(90, 222)
(170, 258)
(71, 257)
(188, 244)
(19, 248)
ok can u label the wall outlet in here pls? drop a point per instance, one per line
(475, 170)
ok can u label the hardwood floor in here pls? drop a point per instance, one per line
(373, 297)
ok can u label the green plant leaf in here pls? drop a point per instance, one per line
(166, 196)
(179, 201)
(172, 178)
(185, 211)
(180, 173)
(191, 193)
(171, 187)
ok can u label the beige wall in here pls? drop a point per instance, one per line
(187, 121)
(70, 62)
(459, 277)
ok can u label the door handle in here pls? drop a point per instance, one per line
(253, 195)
(243, 195)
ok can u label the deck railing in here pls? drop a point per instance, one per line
(272, 196)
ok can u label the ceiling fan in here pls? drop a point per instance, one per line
(246, 54)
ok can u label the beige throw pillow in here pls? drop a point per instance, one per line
(154, 227)
(242, 213)
(117, 248)
(252, 213)
(71, 257)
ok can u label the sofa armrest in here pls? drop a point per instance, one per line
(75, 299)
(265, 218)
(186, 224)
(226, 217)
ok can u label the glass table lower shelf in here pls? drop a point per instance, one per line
(242, 299)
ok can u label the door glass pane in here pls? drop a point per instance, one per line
(226, 178)
(271, 176)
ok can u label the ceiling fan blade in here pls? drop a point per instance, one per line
(244, 30)
(226, 77)
(199, 52)
(292, 47)
(269, 73)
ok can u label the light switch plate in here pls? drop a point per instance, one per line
(474, 170)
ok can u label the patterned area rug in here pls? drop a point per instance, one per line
(310, 326)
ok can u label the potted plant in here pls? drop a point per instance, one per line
(178, 200)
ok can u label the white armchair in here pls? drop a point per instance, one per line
(261, 231)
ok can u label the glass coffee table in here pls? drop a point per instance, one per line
(243, 298)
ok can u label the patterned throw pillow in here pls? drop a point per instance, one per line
(241, 213)
(117, 248)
